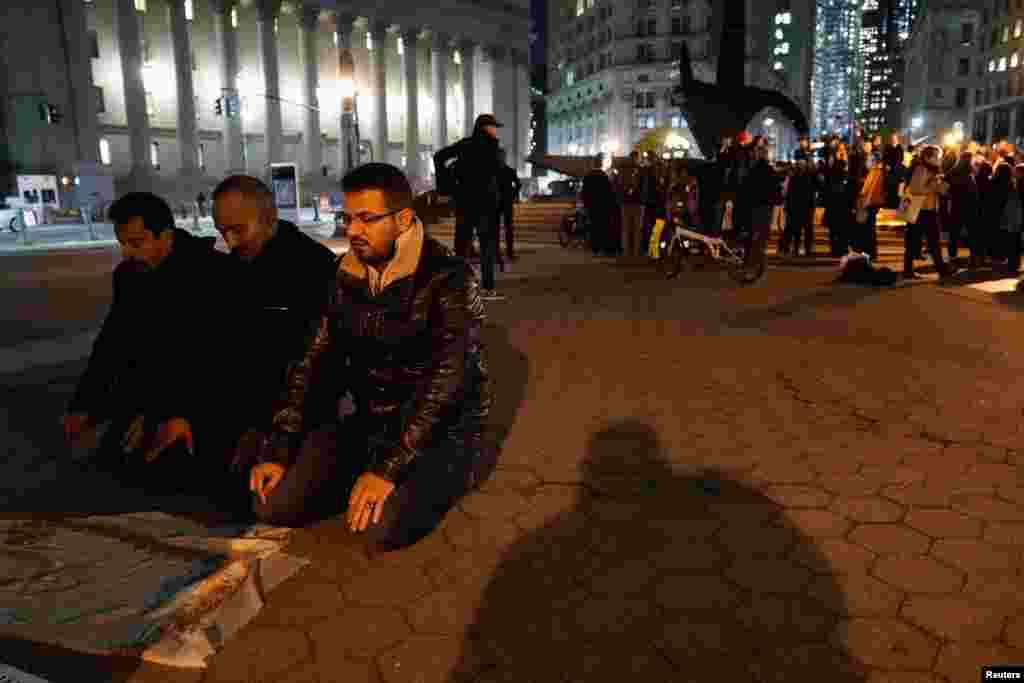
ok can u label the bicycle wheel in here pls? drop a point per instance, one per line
(675, 259)
(743, 274)
(565, 231)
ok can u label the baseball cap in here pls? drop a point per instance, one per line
(487, 120)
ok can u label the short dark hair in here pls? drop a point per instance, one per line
(155, 212)
(380, 176)
(247, 186)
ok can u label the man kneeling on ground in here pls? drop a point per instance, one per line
(281, 283)
(403, 335)
(155, 352)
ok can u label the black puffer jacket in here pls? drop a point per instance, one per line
(152, 355)
(411, 356)
(477, 170)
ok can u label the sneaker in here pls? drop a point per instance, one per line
(490, 295)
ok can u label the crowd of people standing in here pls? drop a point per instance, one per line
(971, 193)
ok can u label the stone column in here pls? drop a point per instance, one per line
(343, 25)
(524, 105)
(439, 56)
(227, 41)
(188, 130)
(129, 38)
(379, 35)
(83, 98)
(410, 43)
(267, 11)
(309, 54)
(467, 50)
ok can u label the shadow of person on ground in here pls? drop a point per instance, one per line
(658, 575)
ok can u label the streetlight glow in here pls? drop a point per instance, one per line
(917, 122)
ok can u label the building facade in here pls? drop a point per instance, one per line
(137, 84)
(838, 67)
(612, 67)
(885, 30)
(997, 111)
(940, 76)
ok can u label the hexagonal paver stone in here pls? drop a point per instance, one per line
(939, 523)
(770, 575)
(962, 661)
(990, 472)
(1005, 534)
(932, 493)
(466, 533)
(447, 612)
(819, 523)
(258, 653)
(427, 659)
(506, 504)
(996, 587)
(710, 592)
(598, 662)
(613, 617)
(856, 595)
(623, 576)
(360, 631)
(887, 644)
(903, 677)
(1015, 632)
(918, 574)
(890, 539)
(388, 586)
(514, 478)
(955, 618)
(548, 505)
(870, 509)
(791, 472)
(989, 508)
(751, 539)
(299, 602)
(971, 554)
(851, 485)
(791, 496)
(833, 556)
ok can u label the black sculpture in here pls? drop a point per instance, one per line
(722, 110)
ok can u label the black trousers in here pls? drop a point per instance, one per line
(319, 483)
(1011, 247)
(507, 222)
(927, 225)
(867, 241)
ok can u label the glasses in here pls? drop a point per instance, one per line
(348, 219)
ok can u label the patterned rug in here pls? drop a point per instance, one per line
(147, 585)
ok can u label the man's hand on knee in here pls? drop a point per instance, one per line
(366, 503)
(264, 478)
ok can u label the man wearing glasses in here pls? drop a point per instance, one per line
(403, 337)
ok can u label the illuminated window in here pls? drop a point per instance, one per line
(201, 156)
(1018, 28)
(275, 25)
(154, 154)
(234, 17)
(104, 151)
(150, 105)
(140, 5)
(1002, 63)
(778, 66)
(1014, 60)
(779, 35)
(188, 10)
(991, 65)
(457, 57)
(1006, 34)
(369, 42)
(400, 45)
(335, 38)
(579, 8)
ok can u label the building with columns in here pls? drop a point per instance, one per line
(135, 85)
(612, 67)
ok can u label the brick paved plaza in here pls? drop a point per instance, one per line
(798, 481)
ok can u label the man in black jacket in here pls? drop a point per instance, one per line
(154, 358)
(477, 194)
(510, 188)
(403, 335)
(281, 281)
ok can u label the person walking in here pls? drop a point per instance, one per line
(476, 171)
(927, 185)
(762, 190)
(510, 189)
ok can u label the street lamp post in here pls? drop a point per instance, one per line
(346, 81)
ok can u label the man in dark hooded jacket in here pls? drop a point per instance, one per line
(477, 194)
(155, 354)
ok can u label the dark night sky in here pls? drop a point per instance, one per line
(538, 30)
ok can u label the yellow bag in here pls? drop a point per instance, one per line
(654, 249)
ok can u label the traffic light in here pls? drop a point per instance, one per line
(219, 106)
(53, 114)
